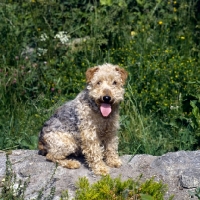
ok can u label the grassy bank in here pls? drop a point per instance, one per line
(46, 47)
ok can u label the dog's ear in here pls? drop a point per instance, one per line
(123, 73)
(90, 73)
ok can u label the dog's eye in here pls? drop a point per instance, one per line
(99, 83)
(114, 82)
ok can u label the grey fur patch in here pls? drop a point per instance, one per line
(66, 118)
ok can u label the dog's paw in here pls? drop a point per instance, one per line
(71, 164)
(114, 162)
(101, 169)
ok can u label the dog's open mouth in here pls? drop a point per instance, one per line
(105, 109)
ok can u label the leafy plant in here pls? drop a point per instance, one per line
(196, 193)
(108, 188)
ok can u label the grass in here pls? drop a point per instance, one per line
(149, 134)
(48, 45)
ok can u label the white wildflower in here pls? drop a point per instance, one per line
(63, 37)
(174, 107)
(43, 37)
(41, 51)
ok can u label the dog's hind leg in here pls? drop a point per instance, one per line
(63, 161)
(60, 145)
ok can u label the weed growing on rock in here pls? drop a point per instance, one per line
(48, 185)
(64, 195)
(196, 193)
(12, 189)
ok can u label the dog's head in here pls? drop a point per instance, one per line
(105, 84)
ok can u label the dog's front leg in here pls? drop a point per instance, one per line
(111, 152)
(93, 152)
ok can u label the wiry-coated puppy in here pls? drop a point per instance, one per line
(88, 124)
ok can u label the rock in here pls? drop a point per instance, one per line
(2, 167)
(179, 170)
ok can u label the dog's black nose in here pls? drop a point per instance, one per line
(106, 99)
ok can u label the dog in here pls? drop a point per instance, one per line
(88, 124)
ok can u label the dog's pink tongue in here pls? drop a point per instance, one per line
(105, 109)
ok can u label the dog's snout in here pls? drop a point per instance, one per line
(106, 99)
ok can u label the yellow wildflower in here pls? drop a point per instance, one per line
(133, 33)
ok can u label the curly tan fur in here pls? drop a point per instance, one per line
(81, 125)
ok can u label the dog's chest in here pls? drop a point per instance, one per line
(105, 126)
